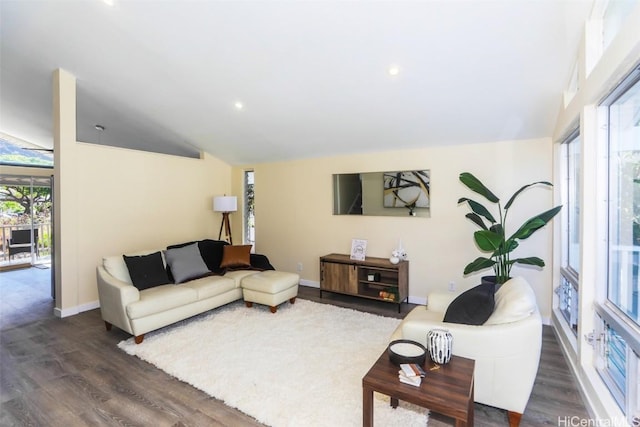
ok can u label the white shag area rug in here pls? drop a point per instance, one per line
(302, 366)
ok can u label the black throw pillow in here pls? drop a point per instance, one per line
(472, 307)
(260, 262)
(211, 251)
(146, 271)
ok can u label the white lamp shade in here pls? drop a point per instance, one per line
(225, 203)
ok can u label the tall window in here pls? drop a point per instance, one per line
(249, 209)
(573, 203)
(618, 320)
(568, 289)
(624, 202)
(613, 18)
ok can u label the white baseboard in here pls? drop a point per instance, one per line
(417, 300)
(72, 311)
(309, 283)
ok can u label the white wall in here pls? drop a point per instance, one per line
(113, 200)
(294, 221)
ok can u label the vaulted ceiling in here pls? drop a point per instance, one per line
(313, 77)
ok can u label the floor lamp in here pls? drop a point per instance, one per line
(226, 205)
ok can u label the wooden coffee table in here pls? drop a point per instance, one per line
(447, 389)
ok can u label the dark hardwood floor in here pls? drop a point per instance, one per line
(69, 372)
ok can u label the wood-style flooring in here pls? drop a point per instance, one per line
(69, 372)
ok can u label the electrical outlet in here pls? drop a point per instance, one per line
(299, 266)
(452, 286)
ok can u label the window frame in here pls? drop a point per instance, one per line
(568, 289)
(606, 313)
(248, 212)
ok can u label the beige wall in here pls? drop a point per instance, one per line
(130, 200)
(294, 221)
(114, 200)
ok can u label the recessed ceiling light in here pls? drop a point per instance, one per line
(393, 70)
(109, 2)
(239, 105)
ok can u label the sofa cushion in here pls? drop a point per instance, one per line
(186, 263)
(236, 256)
(514, 301)
(159, 299)
(116, 266)
(472, 307)
(211, 286)
(146, 271)
(238, 275)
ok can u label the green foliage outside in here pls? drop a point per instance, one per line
(19, 200)
(16, 206)
(25, 160)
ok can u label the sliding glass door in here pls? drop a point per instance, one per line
(26, 227)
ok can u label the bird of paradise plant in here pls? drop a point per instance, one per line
(492, 236)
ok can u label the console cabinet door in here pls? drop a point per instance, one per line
(342, 278)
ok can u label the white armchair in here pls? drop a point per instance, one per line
(506, 347)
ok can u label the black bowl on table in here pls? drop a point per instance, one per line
(406, 351)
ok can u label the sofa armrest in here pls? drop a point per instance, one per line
(476, 341)
(260, 261)
(439, 301)
(114, 296)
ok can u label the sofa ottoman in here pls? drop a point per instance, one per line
(270, 288)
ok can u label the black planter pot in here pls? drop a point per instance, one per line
(491, 280)
(488, 280)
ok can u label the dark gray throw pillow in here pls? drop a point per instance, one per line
(210, 250)
(186, 263)
(146, 271)
(472, 307)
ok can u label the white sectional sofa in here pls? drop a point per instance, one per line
(139, 311)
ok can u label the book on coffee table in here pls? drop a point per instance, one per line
(412, 370)
(411, 380)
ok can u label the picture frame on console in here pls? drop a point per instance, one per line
(358, 249)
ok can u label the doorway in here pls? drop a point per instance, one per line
(26, 233)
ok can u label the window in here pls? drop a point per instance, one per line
(617, 316)
(15, 152)
(573, 204)
(249, 210)
(618, 364)
(616, 357)
(574, 85)
(568, 296)
(568, 290)
(613, 19)
(624, 201)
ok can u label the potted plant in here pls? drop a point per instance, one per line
(492, 236)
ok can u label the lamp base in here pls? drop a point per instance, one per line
(226, 224)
